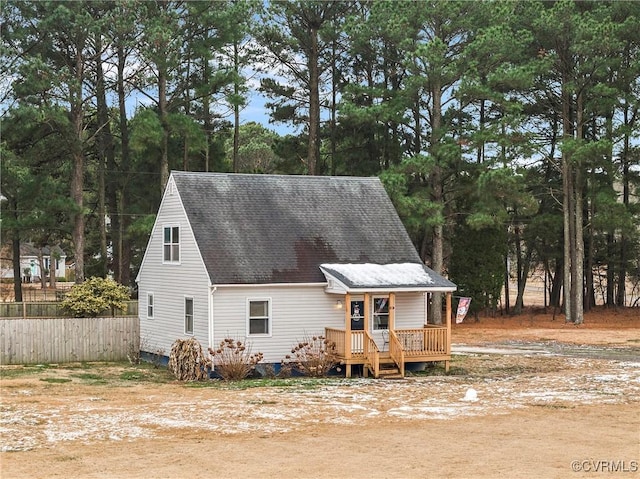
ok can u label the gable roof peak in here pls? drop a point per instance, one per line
(258, 229)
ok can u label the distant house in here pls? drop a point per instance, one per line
(273, 259)
(30, 266)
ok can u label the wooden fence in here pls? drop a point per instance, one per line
(62, 340)
(53, 309)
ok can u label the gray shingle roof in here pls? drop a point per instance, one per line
(258, 229)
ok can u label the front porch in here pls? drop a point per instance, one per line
(376, 335)
(432, 343)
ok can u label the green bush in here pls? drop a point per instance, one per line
(94, 297)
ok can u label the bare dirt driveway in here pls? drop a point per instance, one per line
(553, 401)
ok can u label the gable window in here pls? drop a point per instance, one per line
(381, 312)
(259, 316)
(188, 315)
(150, 305)
(171, 244)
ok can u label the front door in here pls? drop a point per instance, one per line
(357, 315)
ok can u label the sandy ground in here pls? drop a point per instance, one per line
(552, 401)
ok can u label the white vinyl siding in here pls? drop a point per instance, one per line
(410, 311)
(170, 285)
(296, 312)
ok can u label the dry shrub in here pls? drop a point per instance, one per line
(233, 359)
(314, 356)
(187, 360)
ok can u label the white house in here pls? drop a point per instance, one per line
(30, 266)
(271, 259)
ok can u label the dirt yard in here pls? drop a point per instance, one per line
(553, 401)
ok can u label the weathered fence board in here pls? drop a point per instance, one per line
(53, 309)
(63, 340)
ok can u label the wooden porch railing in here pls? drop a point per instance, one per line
(412, 345)
(396, 351)
(338, 337)
(358, 343)
(423, 342)
(373, 355)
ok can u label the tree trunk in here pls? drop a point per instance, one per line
(106, 158)
(507, 298)
(43, 272)
(52, 271)
(578, 271)
(611, 271)
(437, 254)
(624, 158)
(334, 107)
(77, 172)
(121, 242)
(77, 186)
(567, 193)
(523, 273)
(313, 155)
(17, 273)
(164, 121)
(236, 107)
(556, 284)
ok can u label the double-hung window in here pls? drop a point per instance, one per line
(381, 312)
(259, 316)
(171, 244)
(188, 315)
(150, 305)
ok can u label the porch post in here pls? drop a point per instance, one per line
(392, 311)
(347, 333)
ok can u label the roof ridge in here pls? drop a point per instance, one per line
(271, 175)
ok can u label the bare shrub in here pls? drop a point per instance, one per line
(233, 359)
(134, 353)
(187, 360)
(314, 356)
(285, 371)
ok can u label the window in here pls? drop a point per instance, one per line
(188, 315)
(381, 313)
(150, 305)
(171, 243)
(259, 317)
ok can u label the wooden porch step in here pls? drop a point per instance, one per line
(390, 373)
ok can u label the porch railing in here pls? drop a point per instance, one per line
(396, 351)
(363, 347)
(358, 343)
(423, 342)
(338, 336)
(373, 355)
(404, 345)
